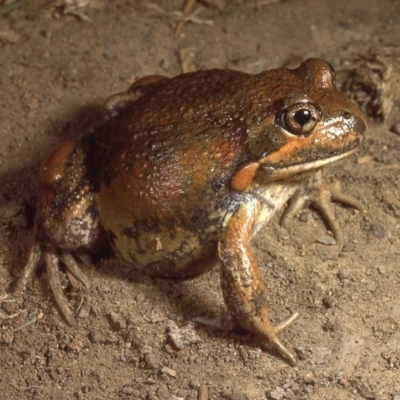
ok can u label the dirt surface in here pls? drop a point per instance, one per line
(58, 63)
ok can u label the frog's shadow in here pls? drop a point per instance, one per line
(173, 290)
(186, 302)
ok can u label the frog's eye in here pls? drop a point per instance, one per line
(300, 118)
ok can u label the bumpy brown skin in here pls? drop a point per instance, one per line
(192, 167)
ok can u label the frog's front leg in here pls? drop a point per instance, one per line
(242, 284)
(67, 219)
(317, 192)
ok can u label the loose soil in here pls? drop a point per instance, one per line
(58, 63)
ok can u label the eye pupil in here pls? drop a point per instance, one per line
(302, 117)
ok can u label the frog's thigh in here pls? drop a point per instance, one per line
(242, 284)
(67, 213)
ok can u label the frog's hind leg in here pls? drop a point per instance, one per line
(242, 284)
(67, 220)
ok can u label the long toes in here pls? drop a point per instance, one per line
(33, 261)
(347, 199)
(296, 204)
(73, 267)
(283, 352)
(53, 274)
(286, 323)
(328, 215)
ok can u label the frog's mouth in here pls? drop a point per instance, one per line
(269, 173)
(284, 172)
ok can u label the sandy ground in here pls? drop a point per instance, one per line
(57, 66)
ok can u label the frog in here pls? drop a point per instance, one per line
(185, 171)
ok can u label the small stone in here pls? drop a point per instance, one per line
(146, 349)
(309, 389)
(117, 322)
(342, 275)
(382, 270)
(152, 361)
(165, 64)
(194, 384)
(396, 397)
(10, 307)
(7, 336)
(128, 390)
(396, 129)
(309, 378)
(202, 392)
(326, 240)
(182, 337)
(277, 394)
(327, 301)
(289, 394)
(378, 231)
(86, 389)
(163, 391)
(9, 36)
(169, 372)
(83, 313)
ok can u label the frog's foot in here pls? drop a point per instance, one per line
(269, 334)
(226, 322)
(318, 193)
(52, 258)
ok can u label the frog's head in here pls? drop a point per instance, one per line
(311, 124)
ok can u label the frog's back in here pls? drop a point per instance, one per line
(166, 169)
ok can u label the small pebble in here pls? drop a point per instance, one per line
(128, 390)
(202, 392)
(378, 231)
(169, 372)
(94, 336)
(7, 335)
(152, 361)
(86, 389)
(326, 240)
(163, 391)
(83, 313)
(382, 270)
(183, 336)
(396, 129)
(277, 394)
(342, 275)
(146, 349)
(10, 307)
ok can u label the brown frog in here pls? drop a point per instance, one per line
(190, 168)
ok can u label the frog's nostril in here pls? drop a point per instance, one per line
(346, 115)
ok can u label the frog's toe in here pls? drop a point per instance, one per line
(53, 275)
(318, 193)
(52, 258)
(73, 268)
(286, 323)
(275, 344)
(34, 258)
(283, 352)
